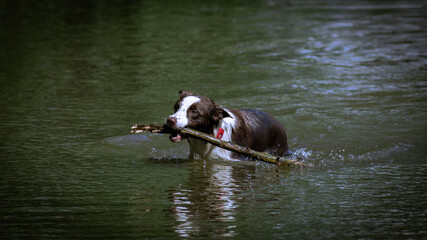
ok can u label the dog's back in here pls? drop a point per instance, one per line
(259, 131)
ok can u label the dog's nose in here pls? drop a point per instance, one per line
(171, 121)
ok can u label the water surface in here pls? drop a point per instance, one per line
(347, 80)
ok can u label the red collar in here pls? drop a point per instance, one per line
(220, 133)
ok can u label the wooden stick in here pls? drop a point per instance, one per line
(262, 156)
(154, 128)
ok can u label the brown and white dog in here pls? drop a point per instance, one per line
(250, 128)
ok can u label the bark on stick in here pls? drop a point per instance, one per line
(261, 156)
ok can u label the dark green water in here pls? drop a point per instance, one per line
(348, 80)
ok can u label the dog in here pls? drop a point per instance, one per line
(249, 128)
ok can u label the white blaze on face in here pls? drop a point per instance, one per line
(181, 114)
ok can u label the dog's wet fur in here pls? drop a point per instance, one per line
(250, 128)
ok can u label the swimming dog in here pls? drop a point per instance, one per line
(250, 128)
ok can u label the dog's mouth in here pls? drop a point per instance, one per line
(176, 137)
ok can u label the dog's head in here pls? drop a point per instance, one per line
(196, 112)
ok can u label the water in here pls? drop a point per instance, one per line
(347, 80)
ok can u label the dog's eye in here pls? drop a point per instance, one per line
(194, 112)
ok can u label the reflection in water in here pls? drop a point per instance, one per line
(224, 185)
(183, 213)
(212, 198)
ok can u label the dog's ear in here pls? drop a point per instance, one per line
(225, 114)
(219, 113)
(183, 94)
